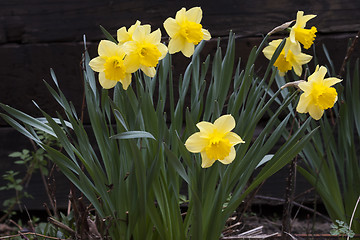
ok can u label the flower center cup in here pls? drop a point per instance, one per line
(282, 62)
(305, 36)
(192, 32)
(218, 148)
(114, 68)
(149, 55)
(324, 97)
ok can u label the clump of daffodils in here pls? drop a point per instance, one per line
(291, 56)
(139, 48)
(318, 95)
(215, 141)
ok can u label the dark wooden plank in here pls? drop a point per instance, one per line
(67, 20)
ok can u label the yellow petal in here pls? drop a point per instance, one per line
(126, 81)
(107, 48)
(122, 35)
(305, 86)
(194, 14)
(292, 35)
(176, 44)
(146, 28)
(207, 35)
(171, 27)
(196, 142)
(205, 161)
(225, 123)
(303, 104)
(315, 112)
(269, 50)
(233, 138)
(139, 34)
(149, 71)
(230, 157)
(155, 36)
(205, 127)
(294, 47)
(318, 75)
(180, 15)
(297, 68)
(162, 49)
(131, 63)
(303, 58)
(106, 83)
(133, 27)
(188, 49)
(97, 64)
(328, 82)
(302, 19)
(300, 60)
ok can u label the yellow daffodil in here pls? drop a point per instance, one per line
(124, 35)
(144, 50)
(318, 94)
(185, 31)
(110, 65)
(298, 32)
(215, 141)
(290, 57)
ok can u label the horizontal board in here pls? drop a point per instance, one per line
(66, 20)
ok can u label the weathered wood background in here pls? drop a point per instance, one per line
(38, 35)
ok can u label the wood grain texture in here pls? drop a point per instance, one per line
(67, 20)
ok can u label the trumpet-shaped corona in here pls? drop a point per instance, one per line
(185, 31)
(318, 94)
(215, 141)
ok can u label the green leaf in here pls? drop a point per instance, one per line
(108, 35)
(265, 159)
(25, 118)
(132, 135)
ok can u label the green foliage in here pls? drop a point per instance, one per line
(134, 170)
(332, 156)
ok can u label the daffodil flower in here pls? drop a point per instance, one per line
(290, 57)
(110, 65)
(144, 50)
(298, 32)
(185, 31)
(124, 35)
(215, 141)
(318, 94)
